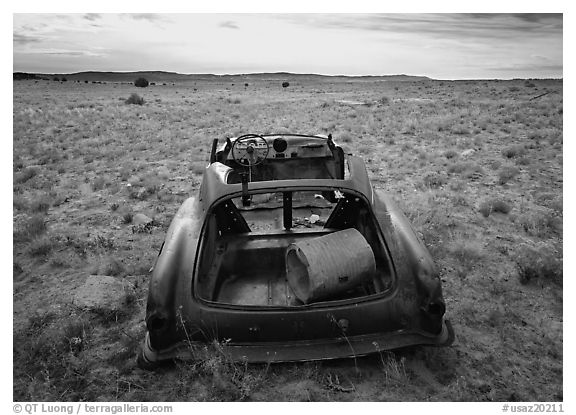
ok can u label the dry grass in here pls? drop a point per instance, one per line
(541, 261)
(79, 150)
(514, 151)
(40, 247)
(490, 206)
(135, 99)
(29, 229)
(507, 173)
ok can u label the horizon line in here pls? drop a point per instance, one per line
(285, 72)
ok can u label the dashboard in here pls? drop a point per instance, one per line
(282, 148)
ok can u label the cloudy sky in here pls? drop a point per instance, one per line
(442, 46)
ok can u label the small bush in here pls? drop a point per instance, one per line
(109, 266)
(514, 151)
(40, 247)
(40, 205)
(127, 218)
(523, 161)
(165, 196)
(99, 183)
(59, 262)
(460, 130)
(500, 206)
(473, 171)
(495, 164)
(31, 229)
(434, 180)
(345, 138)
(467, 255)
(138, 193)
(459, 200)
(17, 164)
(198, 167)
(19, 202)
(125, 173)
(38, 321)
(80, 245)
(135, 99)
(47, 353)
(494, 205)
(506, 174)
(26, 175)
(393, 367)
(541, 224)
(226, 379)
(450, 154)
(384, 101)
(104, 242)
(406, 147)
(285, 84)
(151, 184)
(75, 335)
(457, 168)
(141, 83)
(541, 261)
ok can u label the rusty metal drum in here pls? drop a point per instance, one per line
(329, 265)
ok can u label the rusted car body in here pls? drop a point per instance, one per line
(223, 272)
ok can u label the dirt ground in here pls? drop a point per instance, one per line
(476, 166)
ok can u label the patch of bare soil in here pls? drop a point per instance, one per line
(96, 181)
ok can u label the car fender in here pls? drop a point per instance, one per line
(174, 266)
(409, 253)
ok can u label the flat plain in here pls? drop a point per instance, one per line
(475, 165)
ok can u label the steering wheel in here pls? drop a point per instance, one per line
(250, 150)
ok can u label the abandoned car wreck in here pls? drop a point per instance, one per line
(288, 254)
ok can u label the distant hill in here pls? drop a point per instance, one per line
(19, 76)
(160, 76)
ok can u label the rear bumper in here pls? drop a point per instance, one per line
(295, 351)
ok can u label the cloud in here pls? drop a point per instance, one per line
(92, 16)
(526, 17)
(229, 25)
(530, 67)
(70, 53)
(446, 25)
(438, 45)
(63, 52)
(150, 17)
(21, 39)
(518, 23)
(33, 27)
